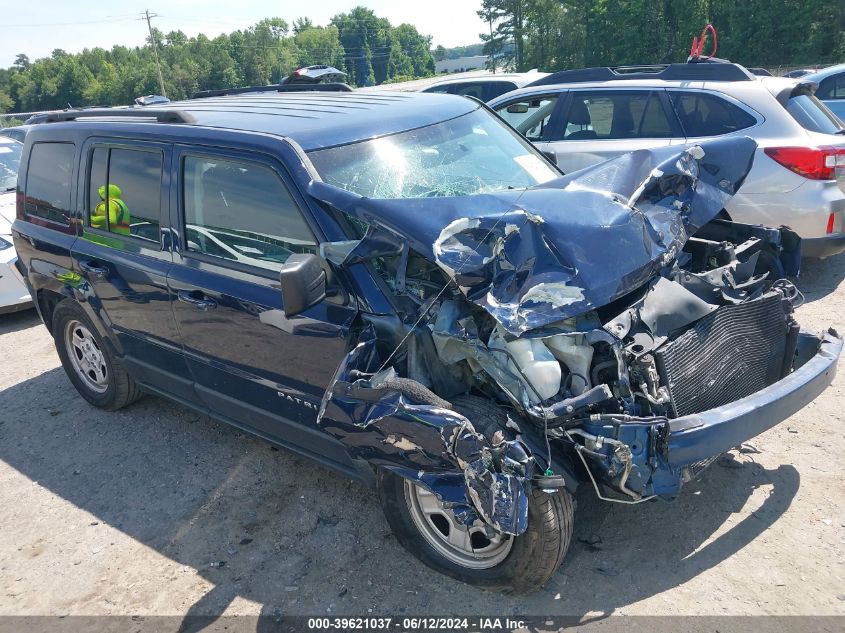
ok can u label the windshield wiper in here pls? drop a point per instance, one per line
(842, 131)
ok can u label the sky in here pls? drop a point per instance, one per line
(37, 28)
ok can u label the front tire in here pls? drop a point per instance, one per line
(500, 562)
(89, 361)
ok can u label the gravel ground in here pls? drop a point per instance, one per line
(157, 510)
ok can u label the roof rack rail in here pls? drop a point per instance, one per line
(294, 87)
(161, 116)
(669, 72)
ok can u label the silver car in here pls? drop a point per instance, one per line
(586, 116)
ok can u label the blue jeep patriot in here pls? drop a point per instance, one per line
(402, 288)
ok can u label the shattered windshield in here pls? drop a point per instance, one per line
(470, 154)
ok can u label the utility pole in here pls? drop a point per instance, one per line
(147, 15)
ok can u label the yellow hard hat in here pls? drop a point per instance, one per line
(114, 191)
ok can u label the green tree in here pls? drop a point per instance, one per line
(6, 102)
(509, 20)
(302, 24)
(417, 48)
(319, 45)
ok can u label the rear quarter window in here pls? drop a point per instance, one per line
(48, 181)
(708, 115)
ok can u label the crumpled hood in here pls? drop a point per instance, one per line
(7, 212)
(536, 257)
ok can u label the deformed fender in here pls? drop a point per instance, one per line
(429, 444)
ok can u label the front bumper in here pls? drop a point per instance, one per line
(14, 295)
(666, 454)
(821, 247)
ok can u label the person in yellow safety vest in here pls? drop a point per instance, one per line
(118, 212)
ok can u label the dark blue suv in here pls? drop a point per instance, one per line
(402, 288)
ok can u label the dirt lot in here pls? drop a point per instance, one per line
(156, 510)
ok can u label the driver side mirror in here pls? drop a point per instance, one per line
(303, 282)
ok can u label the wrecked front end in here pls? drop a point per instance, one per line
(631, 334)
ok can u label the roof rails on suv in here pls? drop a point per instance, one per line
(161, 116)
(699, 71)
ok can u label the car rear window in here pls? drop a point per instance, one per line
(708, 115)
(812, 114)
(48, 181)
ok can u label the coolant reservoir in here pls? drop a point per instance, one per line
(534, 359)
(574, 352)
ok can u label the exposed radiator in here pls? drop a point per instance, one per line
(729, 354)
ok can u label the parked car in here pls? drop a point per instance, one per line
(831, 90)
(485, 87)
(586, 116)
(800, 72)
(450, 325)
(13, 293)
(18, 133)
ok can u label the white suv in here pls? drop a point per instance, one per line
(485, 86)
(582, 117)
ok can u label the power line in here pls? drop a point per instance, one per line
(44, 24)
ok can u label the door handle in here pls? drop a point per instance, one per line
(196, 299)
(94, 270)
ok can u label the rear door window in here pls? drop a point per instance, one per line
(813, 115)
(704, 114)
(607, 114)
(48, 181)
(529, 116)
(241, 211)
(124, 195)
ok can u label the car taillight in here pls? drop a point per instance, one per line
(816, 163)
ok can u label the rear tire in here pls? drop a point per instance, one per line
(510, 564)
(89, 361)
